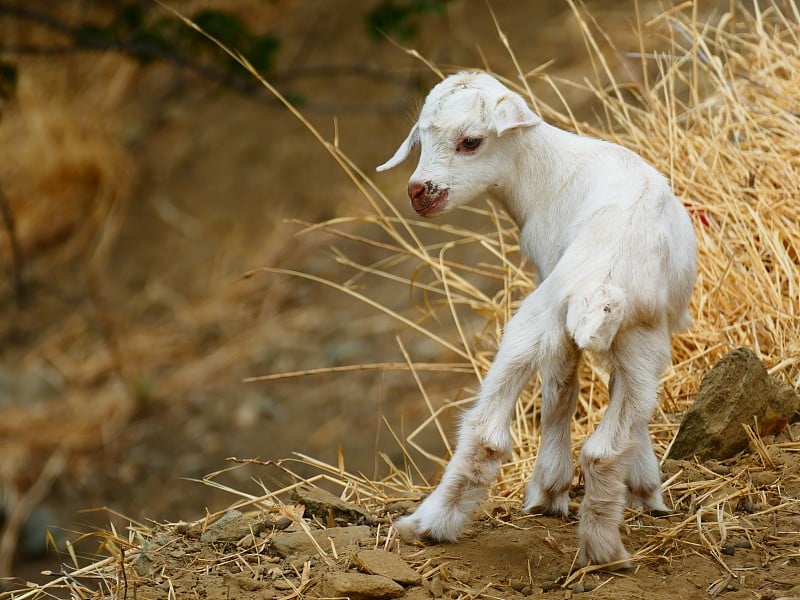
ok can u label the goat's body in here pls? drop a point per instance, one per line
(616, 224)
(615, 254)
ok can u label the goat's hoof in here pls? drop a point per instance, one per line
(425, 527)
(407, 528)
(650, 503)
(543, 503)
(614, 560)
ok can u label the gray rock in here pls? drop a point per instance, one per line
(324, 505)
(298, 542)
(232, 527)
(737, 389)
(358, 586)
(143, 563)
(388, 564)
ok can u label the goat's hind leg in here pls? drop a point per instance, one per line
(638, 358)
(484, 440)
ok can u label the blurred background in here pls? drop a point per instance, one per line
(143, 173)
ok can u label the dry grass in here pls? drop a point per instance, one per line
(715, 109)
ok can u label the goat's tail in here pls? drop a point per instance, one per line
(594, 319)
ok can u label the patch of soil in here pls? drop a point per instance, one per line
(742, 549)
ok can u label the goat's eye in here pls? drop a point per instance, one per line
(468, 144)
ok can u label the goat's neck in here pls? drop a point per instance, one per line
(535, 193)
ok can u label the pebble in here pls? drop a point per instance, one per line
(729, 549)
(744, 544)
(578, 587)
(437, 589)
(360, 586)
(324, 505)
(388, 564)
(549, 586)
(230, 527)
(282, 523)
(299, 542)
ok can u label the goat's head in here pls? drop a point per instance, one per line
(460, 131)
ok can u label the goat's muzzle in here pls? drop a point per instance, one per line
(427, 198)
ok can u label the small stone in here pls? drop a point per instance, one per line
(578, 587)
(230, 527)
(729, 549)
(282, 523)
(549, 586)
(743, 544)
(748, 506)
(179, 553)
(517, 585)
(143, 564)
(322, 504)
(359, 586)
(437, 589)
(299, 542)
(526, 591)
(388, 564)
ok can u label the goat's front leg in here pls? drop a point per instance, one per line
(547, 491)
(484, 440)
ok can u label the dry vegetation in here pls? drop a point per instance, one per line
(715, 108)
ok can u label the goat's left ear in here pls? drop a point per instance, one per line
(511, 112)
(403, 151)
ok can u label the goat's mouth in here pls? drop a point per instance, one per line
(428, 206)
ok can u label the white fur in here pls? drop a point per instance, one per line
(615, 253)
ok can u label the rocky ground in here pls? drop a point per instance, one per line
(733, 535)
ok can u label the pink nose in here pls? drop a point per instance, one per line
(415, 192)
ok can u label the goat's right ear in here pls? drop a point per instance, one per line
(403, 151)
(511, 112)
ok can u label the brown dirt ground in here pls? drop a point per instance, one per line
(747, 546)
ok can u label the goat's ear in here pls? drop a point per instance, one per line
(403, 151)
(511, 112)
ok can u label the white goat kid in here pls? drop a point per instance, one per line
(615, 255)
